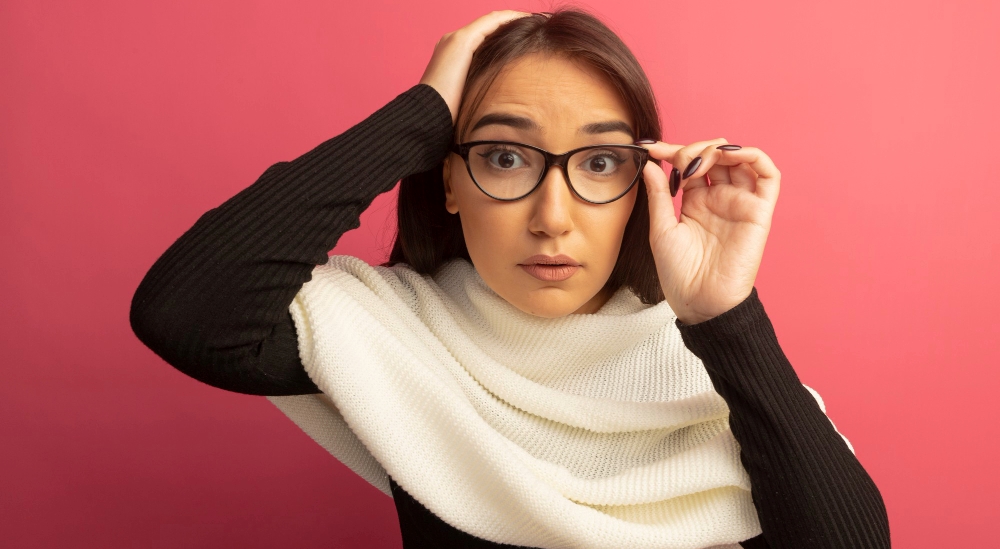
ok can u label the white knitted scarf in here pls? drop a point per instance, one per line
(588, 431)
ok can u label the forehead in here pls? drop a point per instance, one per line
(545, 86)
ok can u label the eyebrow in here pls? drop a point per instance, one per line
(523, 123)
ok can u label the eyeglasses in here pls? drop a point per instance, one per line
(509, 171)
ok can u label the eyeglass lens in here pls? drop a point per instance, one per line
(508, 171)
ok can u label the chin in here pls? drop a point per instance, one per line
(548, 306)
(537, 298)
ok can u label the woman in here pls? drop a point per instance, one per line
(550, 358)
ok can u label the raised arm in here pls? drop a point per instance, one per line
(215, 304)
(808, 487)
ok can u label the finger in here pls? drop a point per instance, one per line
(719, 174)
(724, 172)
(667, 151)
(691, 183)
(695, 160)
(768, 179)
(675, 155)
(661, 151)
(661, 204)
(743, 177)
(685, 158)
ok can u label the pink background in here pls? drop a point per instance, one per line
(122, 122)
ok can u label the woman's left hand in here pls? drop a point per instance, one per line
(707, 260)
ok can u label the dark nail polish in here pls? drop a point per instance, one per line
(645, 142)
(675, 181)
(692, 167)
(729, 147)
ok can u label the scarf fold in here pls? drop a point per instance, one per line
(588, 431)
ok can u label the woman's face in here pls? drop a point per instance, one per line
(559, 97)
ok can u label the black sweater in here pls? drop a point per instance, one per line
(215, 306)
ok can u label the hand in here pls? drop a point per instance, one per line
(449, 65)
(707, 260)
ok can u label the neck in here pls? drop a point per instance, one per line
(595, 303)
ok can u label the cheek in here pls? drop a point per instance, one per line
(489, 228)
(606, 225)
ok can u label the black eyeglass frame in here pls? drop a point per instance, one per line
(551, 159)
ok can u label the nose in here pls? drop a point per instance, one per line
(552, 204)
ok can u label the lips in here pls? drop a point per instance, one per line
(541, 259)
(550, 268)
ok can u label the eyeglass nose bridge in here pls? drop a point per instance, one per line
(562, 162)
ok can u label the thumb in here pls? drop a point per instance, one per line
(661, 204)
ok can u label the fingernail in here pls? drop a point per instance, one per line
(692, 167)
(645, 142)
(729, 147)
(675, 181)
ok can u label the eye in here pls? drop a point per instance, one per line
(504, 158)
(603, 162)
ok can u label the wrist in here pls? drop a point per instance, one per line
(736, 320)
(690, 318)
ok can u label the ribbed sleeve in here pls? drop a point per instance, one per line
(808, 487)
(215, 304)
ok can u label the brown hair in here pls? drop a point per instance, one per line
(427, 235)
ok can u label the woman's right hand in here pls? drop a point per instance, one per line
(449, 65)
